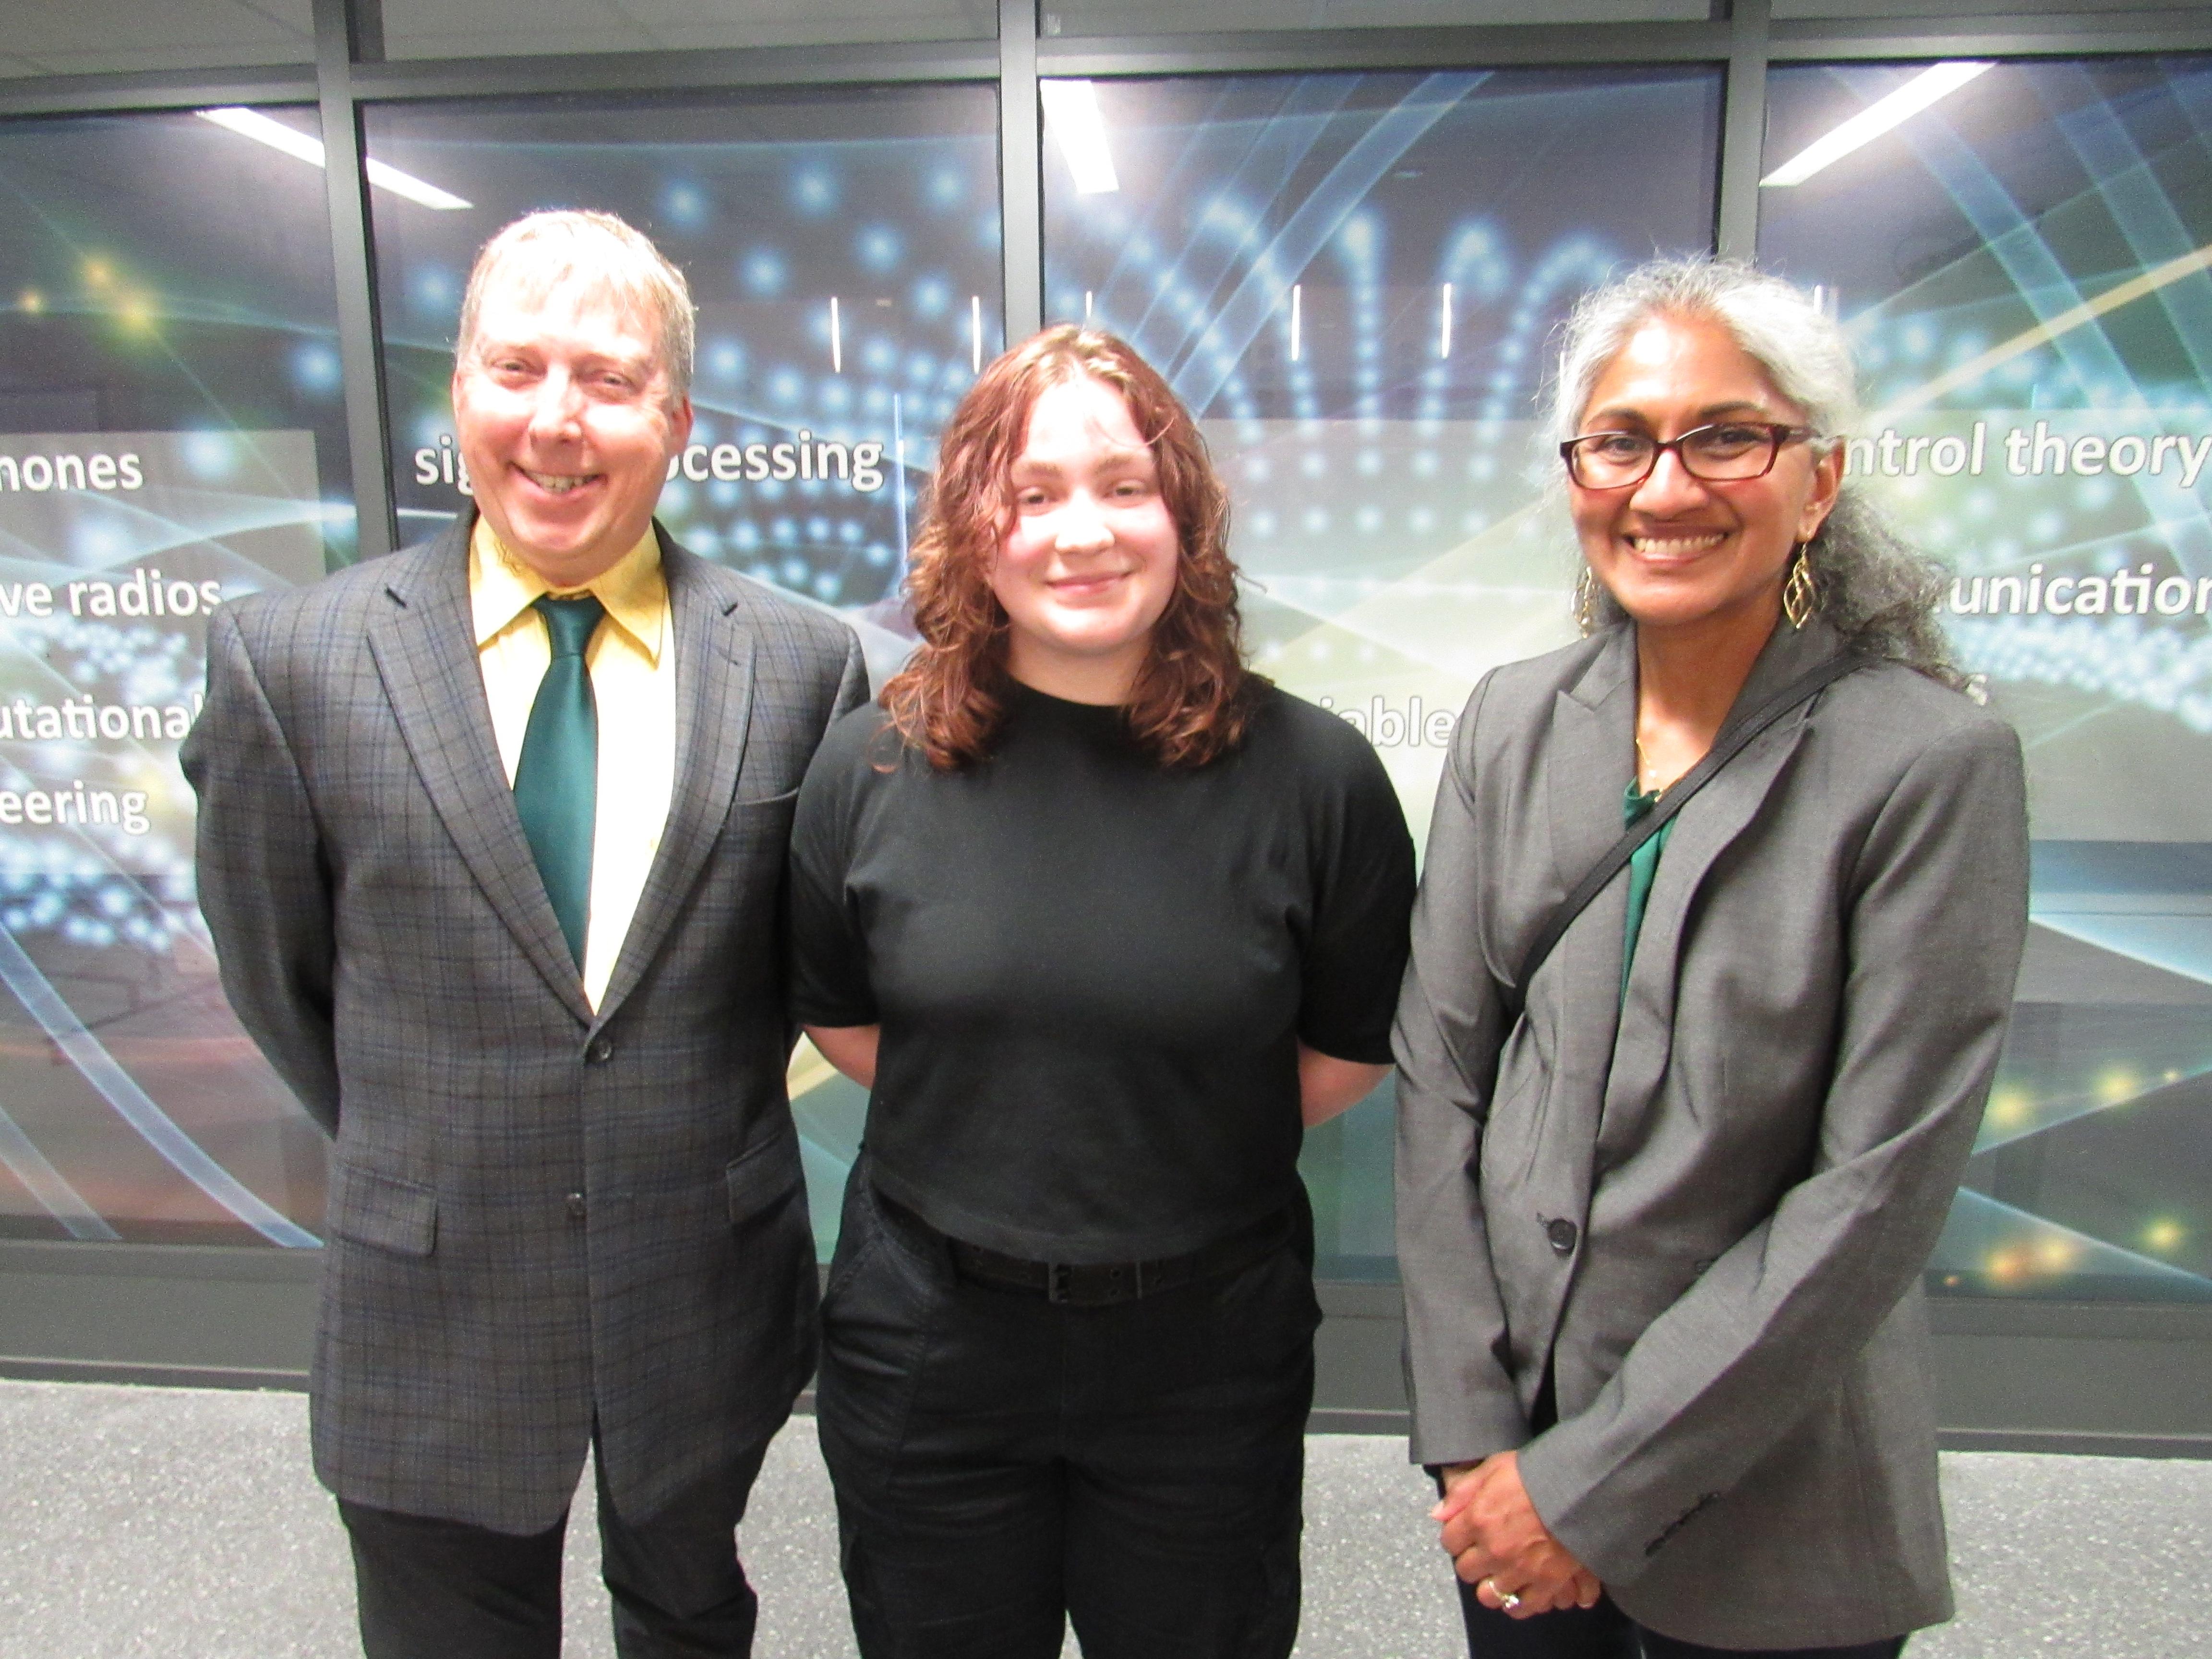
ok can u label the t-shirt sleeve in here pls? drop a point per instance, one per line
(1363, 909)
(828, 954)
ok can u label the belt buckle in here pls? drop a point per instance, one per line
(1059, 1280)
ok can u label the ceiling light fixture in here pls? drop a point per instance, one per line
(1938, 81)
(253, 123)
(1070, 110)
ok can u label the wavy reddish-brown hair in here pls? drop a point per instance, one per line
(1193, 698)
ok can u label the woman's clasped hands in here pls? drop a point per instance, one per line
(1500, 1545)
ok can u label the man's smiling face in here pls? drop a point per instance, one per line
(567, 424)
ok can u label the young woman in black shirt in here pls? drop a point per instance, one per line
(1102, 920)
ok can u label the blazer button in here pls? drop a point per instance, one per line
(601, 1051)
(1562, 1233)
(577, 1208)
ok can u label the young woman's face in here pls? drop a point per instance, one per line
(1676, 550)
(1089, 565)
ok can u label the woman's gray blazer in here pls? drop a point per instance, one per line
(1707, 1209)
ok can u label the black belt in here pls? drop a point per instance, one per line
(1078, 1284)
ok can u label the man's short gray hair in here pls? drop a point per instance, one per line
(1880, 593)
(543, 250)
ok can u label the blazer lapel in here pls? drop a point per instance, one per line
(1588, 762)
(425, 651)
(713, 712)
(1706, 828)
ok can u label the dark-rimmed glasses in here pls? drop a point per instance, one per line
(1726, 451)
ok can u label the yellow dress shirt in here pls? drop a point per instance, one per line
(632, 669)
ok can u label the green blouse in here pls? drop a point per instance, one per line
(1643, 870)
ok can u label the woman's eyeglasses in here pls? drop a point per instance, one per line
(1726, 452)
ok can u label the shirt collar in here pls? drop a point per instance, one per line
(633, 589)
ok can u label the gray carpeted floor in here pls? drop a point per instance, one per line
(160, 1524)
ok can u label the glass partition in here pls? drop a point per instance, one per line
(2022, 265)
(843, 250)
(171, 436)
(1351, 279)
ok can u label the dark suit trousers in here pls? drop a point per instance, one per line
(445, 1589)
(1604, 1631)
(1003, 1465)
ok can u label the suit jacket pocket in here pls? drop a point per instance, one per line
(761, 803)
(760, 814)
(763, 1175)
(392, 1214)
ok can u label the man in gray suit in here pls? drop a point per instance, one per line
(491, 844)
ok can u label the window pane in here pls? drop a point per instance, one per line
(844, 252)
(1110, 17)
(88, 36)
(1351, 278)
(504, 28)
(2023, 267)
(172, 435)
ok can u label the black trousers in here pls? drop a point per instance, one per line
(429, 1589)
(1003, 1464)
(1604, 1631)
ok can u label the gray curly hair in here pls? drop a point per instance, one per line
(1880, 594)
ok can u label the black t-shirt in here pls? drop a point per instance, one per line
(1092, 975)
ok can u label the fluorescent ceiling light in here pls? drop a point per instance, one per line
(253, 123)
(1936, 82)
(414, 189)
(1070, 110)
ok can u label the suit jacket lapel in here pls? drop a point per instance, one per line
(1588, 761)
(1723, 810)
(425, 651)
(713, 709)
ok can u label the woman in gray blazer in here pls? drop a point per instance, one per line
(1661, 1233)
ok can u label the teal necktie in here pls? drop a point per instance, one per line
(556, 782)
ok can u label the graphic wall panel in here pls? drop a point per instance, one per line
(1351, 280)
(2023, 269)
(171, 437)
(844, 252)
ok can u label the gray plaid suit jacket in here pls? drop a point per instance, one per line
(1705, 1206)
(538, 1218)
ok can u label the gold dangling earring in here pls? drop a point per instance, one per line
(1586, 601)
(1799, 597)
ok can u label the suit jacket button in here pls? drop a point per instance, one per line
(601, 1051)
(576, 1206)
(1563, 1234)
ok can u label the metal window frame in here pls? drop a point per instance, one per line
(1741, 38)
(347, 32)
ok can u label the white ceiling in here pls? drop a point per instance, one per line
(80, 37)
(62, 37)
(473, 28)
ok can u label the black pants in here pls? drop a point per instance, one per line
(446, 1589)
(1604, 1631)
(1004, 1464)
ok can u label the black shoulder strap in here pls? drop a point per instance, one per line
(1726, 747)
